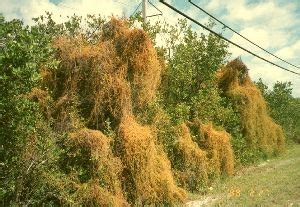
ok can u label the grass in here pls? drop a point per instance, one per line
(275, 182)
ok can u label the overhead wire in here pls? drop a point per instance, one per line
(136, 9)
(220, 36)
(226, 26)
(160, 12)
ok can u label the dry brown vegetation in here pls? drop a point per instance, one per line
(259, 129)
(113, 80)
(193, 174)
(210, 154)
(219, 150)
(147, 166)
(115, 76)
(103, 187)
(98, 115)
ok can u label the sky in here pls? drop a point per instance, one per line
(272, 24)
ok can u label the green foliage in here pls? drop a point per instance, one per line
(284, 108)
(22, 52)
(210, 106)
(188, 87)
(194, 62)
(29, 152)
(167, 134)
(38, 163)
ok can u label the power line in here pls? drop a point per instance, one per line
(220, 36)
(154, 15)
(241, 34)
(136, 9)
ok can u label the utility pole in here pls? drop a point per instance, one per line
(144, 8)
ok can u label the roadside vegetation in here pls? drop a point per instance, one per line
(98, 112)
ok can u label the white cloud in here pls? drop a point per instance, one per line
(291, 52)
(268, 24)
(27, 9)
(271, 74)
